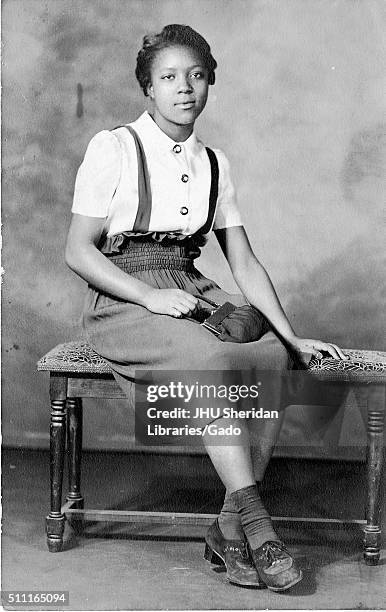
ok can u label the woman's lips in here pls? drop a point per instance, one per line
(187, 104)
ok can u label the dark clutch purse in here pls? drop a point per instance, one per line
(232, 323)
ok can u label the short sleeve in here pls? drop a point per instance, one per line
(98, 176)
(227, 212)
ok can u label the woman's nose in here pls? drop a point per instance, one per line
(185, 85)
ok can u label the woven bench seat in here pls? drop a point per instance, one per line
(77, 371)
(79, 357)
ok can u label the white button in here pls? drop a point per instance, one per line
(177, 148)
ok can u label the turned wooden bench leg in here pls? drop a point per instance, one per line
(74, 449)
(56, 519)
(375, 461)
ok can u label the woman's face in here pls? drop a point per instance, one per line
(179, 88)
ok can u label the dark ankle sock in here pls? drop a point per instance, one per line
(255, 520)
(229, 520)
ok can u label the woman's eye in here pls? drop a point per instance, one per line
(197, 75)
(167, 77)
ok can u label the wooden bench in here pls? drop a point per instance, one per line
(76, 372)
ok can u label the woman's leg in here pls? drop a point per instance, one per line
(263, 437)
(269, 355)
(234, 466)
(275, 566)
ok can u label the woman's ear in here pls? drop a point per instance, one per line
(150, 91)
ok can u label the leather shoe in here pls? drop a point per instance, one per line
(234, 555)
(275, 566)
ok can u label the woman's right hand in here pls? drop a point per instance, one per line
(173, 302)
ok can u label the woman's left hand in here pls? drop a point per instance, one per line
(316, 348)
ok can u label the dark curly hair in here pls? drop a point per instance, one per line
(172, 35)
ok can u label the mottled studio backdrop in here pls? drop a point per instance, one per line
(299, 108)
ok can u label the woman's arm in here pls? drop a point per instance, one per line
(84, 258)
(257, 287)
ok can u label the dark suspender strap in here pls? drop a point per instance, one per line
(205, 229)
(142, 219)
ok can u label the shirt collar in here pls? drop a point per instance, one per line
(147, 127)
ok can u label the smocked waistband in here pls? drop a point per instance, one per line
(140, 256)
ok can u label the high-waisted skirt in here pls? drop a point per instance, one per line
(133, 339)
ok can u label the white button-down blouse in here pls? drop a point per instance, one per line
(180, 178)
